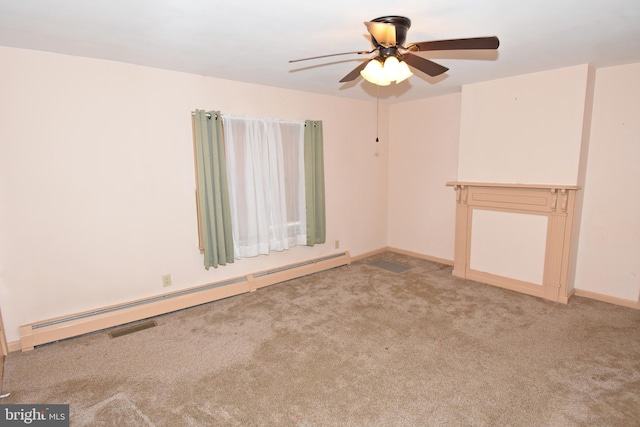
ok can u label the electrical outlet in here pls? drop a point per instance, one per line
(166, 280)
(337, 244)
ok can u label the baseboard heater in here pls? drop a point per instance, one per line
(52, 330)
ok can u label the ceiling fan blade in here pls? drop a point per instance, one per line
(354, 73)
(333, 54)
(457, 44)
(424, 65)
(383, 33)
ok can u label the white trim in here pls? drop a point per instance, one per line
(51, 330)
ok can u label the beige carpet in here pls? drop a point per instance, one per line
(353, 346)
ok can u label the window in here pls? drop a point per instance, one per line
(259, 185)
(265, 170)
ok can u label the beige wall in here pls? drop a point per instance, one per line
(609, 247)
(97, 180)
(525, 129)
(423, 157)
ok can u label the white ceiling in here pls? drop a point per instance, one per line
(253, 40)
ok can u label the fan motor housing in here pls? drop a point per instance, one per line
(401, 23)
(383, 53)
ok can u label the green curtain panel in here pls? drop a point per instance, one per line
(213, 192)
(314, 182)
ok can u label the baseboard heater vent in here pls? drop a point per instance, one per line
(51, 330)
(137, 303)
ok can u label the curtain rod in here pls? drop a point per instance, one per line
(207, 114)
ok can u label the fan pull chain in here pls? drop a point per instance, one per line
(377, 112)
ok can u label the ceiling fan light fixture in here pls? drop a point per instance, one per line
(391, 67)
(381, 74)
(374, 73)
(403, 72)
(388, 35)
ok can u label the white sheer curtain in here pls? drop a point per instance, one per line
(265, 169)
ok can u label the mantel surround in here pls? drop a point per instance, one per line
(555, 202)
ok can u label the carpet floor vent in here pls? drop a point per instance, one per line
(133, 328)
(394, 267)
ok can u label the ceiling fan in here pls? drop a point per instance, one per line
(388, 34)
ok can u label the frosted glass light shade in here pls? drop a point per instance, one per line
(383, 74)
(403, 72)
(391, 67)
(374, 73)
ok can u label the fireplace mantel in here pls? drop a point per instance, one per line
(555, 202)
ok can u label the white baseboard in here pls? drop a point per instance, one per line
(402, 252)
(607, 298)
(51, 330)
(421, 256)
